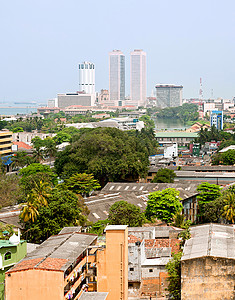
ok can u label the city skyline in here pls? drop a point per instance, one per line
(185, 42)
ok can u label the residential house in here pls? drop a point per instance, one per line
(11, 251)
(149, 250)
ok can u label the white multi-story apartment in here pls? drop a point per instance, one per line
(116, 77)
(138, 77)
(87, 77)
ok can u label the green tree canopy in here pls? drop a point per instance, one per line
(9, 190)
(37, 142)
(164, 175)
(163, 205)
(208, 192)
(21, 159)
(49, 147)
(98, 227)
(124, 213)
(186, 112)
(33, 174)
(3, 124)
(225, 158)
(62, 137)
(148, 122)
(174, 271)
(17, 129)
(81, 184)
(213, 210)
(63, 209)
(229, 208)
(108, 153)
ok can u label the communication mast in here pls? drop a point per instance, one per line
(200, 96)
(201, 91)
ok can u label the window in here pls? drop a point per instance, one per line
(150, 270)
(131, 269)
(7, 256)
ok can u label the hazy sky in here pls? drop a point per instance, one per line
(43, 41)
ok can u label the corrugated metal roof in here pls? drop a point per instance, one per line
(210, 240)
(58, 252)
(134, 193)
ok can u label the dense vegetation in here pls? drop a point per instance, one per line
(49, 124)
(186, 112)
(164, 175)
(108, 153)
(213, 134)
(208, 192)
(224, 158)
(124, 213)
(163, 205)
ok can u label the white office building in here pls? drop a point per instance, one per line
(87, 77)
(116, 77)
(77, 99)
(138, 78)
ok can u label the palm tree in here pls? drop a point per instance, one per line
(37, 198)
(41, 192)
(38, 154)
(30, 210)
(19, 160)
(50, 147)
(229, 208)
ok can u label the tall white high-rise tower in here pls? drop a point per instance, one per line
(87, 77)
(138, 77)
(116, 77)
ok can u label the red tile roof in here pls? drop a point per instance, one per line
(26, 265)
(22, 145)
(159, 243)
(53, 264)
(133, 239)
(50, 263)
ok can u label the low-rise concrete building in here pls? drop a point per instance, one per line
(221, 175)
(208, 263)
(183, 138)
(148, 255)
(11, 251)
(72, 264)
(26, 137)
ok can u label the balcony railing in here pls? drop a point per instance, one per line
(70, 294)
(79, 265)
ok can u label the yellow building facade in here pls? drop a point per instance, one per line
(5, 142)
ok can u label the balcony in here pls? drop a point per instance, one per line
(79, 265)
(74, 287)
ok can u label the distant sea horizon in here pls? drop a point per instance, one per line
(14, 110)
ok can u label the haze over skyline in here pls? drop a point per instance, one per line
(43, 42)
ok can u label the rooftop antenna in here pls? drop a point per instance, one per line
(212, 94)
